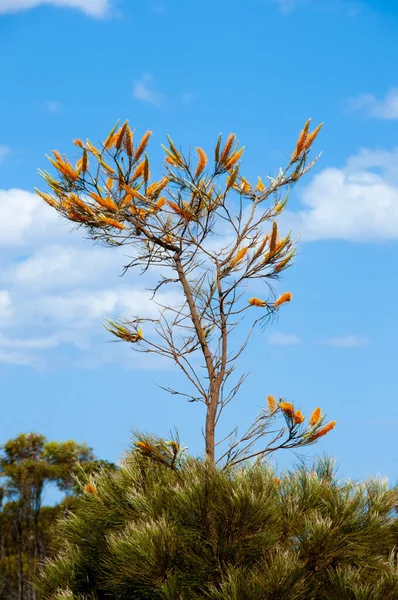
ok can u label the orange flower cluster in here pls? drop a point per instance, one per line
(305, 140)
(323, 430)
(90, 488)
(257, 302)
(285, 297)
(144, 447)
(271, 404)
(315, 417)
(287, 408)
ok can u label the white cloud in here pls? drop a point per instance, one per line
(93, 8)
(386, 108)
(6, 307)
(144, 91)
(4, 151)
(346, 341)
(358, 202)
(283, 339)
(62, 267)
(24, 218)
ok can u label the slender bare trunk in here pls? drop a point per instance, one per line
(214, 388)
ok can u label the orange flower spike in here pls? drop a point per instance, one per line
(260, 186)
(142, 145)
(277, 481)
(128, 141)
(287, 408)
(323, 431)
(155, 188)
(274, 237)
(144, 447)
(161, 202)
(310, 139)
(271, 404)
(47, 198)
(202, 162)
(285, 297)
(239, 257)
(120, 136)
(147, 172)
(139, 171)
(315, 417)
(78, 143)
(234, 158)
(113, 223)
(84, 161)
(298, 417)
(227, 147)
(257, 302)
(107, 202)
(171, 161)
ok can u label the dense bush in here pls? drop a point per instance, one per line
(148, 531)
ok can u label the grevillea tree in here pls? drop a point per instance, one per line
(211, 233)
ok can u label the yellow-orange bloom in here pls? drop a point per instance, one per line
(287, 408)
(234, 158)
(107, 202)
(276, 480)
(78, 143)
(298, 417)
(260, 186)
(180, 211)
(90, 488)
(47, 198)
(257, 302)
(202, 162)
(312, 136)
(274, 237)
(315, 417)
(271, 404)
(144, 447)
(142, 145)
(323, 431)
(285, 297)
(139, 171)
(155, 188)
(128, 141)
(227, 147)
(161, 202)
(301, 141)
(240, 256)
(113, 223)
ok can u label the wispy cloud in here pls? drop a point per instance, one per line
(188, 97)
(53, 106)
(4, 151)
(356, 202)
(283, 339)
(93, 8)
(143, 90)
(384, 108)
(350, 7)
(346, 341)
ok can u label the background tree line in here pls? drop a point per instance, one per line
(30, 463)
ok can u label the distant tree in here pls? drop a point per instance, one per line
(28, 463)
(212, 233)
(143, 532)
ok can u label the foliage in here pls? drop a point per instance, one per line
(213, 234)
(188, 530)
(28, 464)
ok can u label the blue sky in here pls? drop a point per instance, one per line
(71, 68)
